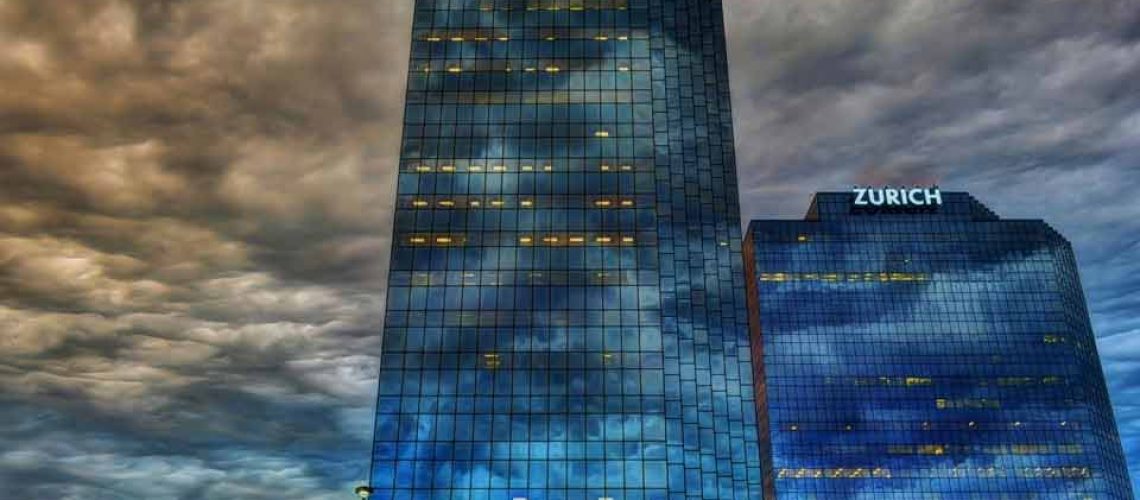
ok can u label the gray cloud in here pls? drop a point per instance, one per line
(195, 200)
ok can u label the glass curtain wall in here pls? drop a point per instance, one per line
(565, 313)
(927, 353)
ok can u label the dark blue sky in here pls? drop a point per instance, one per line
(196, 198)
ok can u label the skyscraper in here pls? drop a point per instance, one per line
(915, 345)
(565, 315)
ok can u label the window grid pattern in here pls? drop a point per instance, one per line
(562, 316)
(964, 367)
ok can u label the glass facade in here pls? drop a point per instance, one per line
(566, 313)
(926, 353)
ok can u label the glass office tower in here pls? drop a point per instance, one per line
(926, 352)
(566, 314)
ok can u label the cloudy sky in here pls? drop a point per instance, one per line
(195, 198)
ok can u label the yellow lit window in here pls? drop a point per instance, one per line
(419, 203)
(931, 449)
(433, 39)
(473, 203)
(503, 38)
(605, 168)
(526, 203)
(527, 168)
(496, 203)
(627, 239)
(447, 168)
(603, 239)
(627, 203)
(550, 239)
(552, 69)
(423, 168)
(457, 39)
(443, 239)
(550, 38)
(529, 69)
(601, 38)
(526, 240)
(417, 240)
(602, 133)
(548, 167)
(913, 381)
(454, 69)
(499, 168)
(480, 39)
(801, 238)
(623, 38)
(601, 203)
(623, 68)
(446, 203)
(577, 239)
(492, 361)
(627, 167)
(475, 168)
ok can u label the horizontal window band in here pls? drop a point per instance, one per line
(845, 277)
(490, 166)
(539, 5)
(531, 35)
(395, 318)
(633, 66)
(524, 360)
(445, 202)
(1073, 472)
(505, 96)
(523, 278)
(525, 97)
(513, 239)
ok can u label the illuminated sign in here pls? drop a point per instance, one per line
(897, 197)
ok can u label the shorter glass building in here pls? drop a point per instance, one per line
(921, 347)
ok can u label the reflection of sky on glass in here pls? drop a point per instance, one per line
(564, 310)
(944, 343)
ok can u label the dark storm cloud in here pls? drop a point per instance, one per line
(193, 222)
(195, 199)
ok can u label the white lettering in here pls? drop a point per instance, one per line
(934, 196)
(897, 197)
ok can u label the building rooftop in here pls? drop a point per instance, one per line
(958, 206)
